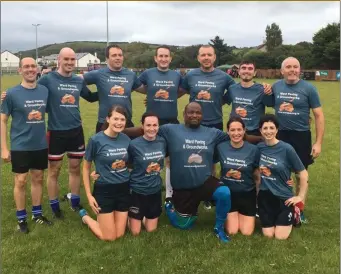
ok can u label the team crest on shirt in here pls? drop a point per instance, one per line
(118, 164)
(204, 95)
(265, 170)
(235, 174)
(162, 94)
(285, 106)
(153, 167)
(195, 158)
(242, 112)
(117, 89)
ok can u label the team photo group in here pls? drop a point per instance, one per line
(255, 165)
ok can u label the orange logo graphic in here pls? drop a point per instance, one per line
(195, 158)
(117, 89)
(235, 174)
(286, 107)
(164, 94)
(118, 164)
(242, 112)
(35, 114)
(153, 167)
(68, 98)
(265, 170)
(204, 94)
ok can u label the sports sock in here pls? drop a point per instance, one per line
(222, 197)
(75, 200)
(55, 205)
(37, 211)
(169, 189)
(21, 215)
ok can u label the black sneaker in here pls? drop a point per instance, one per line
(58, 214)
(207, 205)
(22, 226)
(42, 220)
(168, 200)
(77, 208)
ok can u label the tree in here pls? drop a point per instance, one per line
(221, 49)
(273, 36)
(326, 47)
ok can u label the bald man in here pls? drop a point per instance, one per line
(26, 103)
(65, 131)
(294, 98)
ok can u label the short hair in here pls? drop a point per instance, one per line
(148, 114)
(163, 47)
(235, 119)
(268, 118)
(107, 49)
(205, 47)
(247, 62)
(290, 57)
(186, 107)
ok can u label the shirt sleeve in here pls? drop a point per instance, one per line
(91, 77)
(229, 81)
(256, 157)
(294, 161)
(184, 83)
(220, 136)
(314, 99)
(87, 94)
(43, 81)
(137, 82)
(268, 100)
(163, 132)
(7, 106)
(130, 154)
(90, 151)
(143, 78)
(227, 97)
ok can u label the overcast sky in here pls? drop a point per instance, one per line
(174, 23)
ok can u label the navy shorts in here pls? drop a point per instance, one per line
(23, 161)
(149, 206)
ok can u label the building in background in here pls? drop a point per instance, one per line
(9, 60)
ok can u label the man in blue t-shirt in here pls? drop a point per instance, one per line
(191, 148)
(294, 98)
(248, 99)
(114, 84)
(26, 104)
(162, 88)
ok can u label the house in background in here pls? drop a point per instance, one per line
(262, 48)
(82, 59)
(9, 60)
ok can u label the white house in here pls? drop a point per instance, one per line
(82, 59)
(9, 60)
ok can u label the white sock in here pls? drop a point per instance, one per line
(169, 189)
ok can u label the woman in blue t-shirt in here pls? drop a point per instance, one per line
(239, 171)
(276, 200)
(146, 155)
(110, 199)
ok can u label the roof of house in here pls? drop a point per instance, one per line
(55, 56)
(7, 51)
(260, 46)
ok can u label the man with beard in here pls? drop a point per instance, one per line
(293, 100)
(191, 147)
(114, 84)
(248, 99)
(26, 103)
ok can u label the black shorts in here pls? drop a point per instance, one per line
(70, 141)
(301, 142)
(99, 125)
(149, 206)
(112, 197)
(254, 132)
(217, 126)
(272, 210)
(23, 161)
(168, 121)
(244, 202)
(186, 201)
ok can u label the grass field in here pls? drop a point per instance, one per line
(69, 247)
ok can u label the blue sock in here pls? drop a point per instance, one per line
(21, 215)
(37, 211)
(222, 197)
(75, 199)
(55, 205)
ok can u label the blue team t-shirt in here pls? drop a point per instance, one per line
(208, 89)
(293, 104)
(238, 165)
(162, 92)
(63, 102)
(27, 108)
(110, 156)
(276, 164)
(248, 103)
(147, 158)
(114, 88)
(191, 153)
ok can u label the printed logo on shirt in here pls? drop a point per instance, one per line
(204, 94)
(242, 112)
(153, 167)
(235, 174)
(161, 93)
(68, 99)
(117, 90)
(118, 164)
(195, 158)
(285, 106)
(265, 170)
(35, 115)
